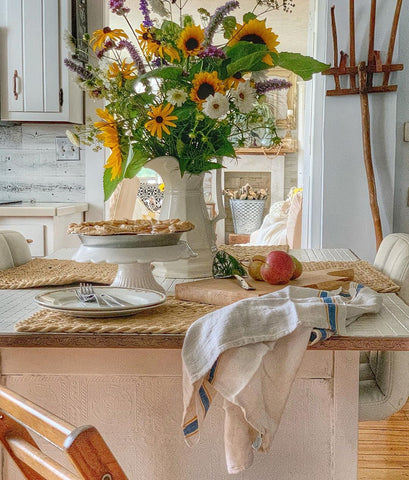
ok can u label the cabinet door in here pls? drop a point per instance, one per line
(35, 86)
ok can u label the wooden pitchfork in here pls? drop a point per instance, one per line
(365, 72)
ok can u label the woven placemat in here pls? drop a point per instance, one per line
(364, 273)
(42, 272)
(174, 316)
(243, 253)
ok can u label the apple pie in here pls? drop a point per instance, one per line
(130, 227)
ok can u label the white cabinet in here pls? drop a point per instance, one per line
(44, 224)
(35, 84)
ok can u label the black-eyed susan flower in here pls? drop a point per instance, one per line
(99, 37)
(125, 69)
(191, 40)
(147, 41)
(255, 31)
(108, 134)
(204, 85)
(161, 119)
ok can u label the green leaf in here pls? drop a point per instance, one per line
(110, 185)
(226, 150)
(301, 65)
(185, 112)
(179, 146)
(167, 72)
(247, 63)
(241, 49)
(249, 16)
(229, 24)
(136, 160)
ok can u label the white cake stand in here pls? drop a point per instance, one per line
(134, 264)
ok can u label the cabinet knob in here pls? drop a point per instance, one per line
(15, 77)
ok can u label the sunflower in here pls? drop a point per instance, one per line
(255, 31)
(126, 70)
(235, 80)
(109, 137)
(190, 40)
(161, 119)
(205, 84)
(99, 37)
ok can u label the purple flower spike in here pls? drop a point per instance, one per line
(136, 58)
(273, 84)
(212, 51)
(217, 18)
(143, 7)
(81, 71)
(117, 6)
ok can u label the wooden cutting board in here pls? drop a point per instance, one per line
(217, 291)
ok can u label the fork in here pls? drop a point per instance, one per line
(86, 293)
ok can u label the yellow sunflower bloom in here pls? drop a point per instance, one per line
(99, 37)
(126, 70)
(204, 85)
(170, 51)
(160, 119)
(109, 137)
(255, 31)
(191, 40)
(234, 81)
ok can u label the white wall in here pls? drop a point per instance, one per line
(401, 212)
(346, 215)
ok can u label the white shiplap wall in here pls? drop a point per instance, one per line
(29, 169)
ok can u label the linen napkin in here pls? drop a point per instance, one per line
(249, 352)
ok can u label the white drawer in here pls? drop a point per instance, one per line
(30, 232)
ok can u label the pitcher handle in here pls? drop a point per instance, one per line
(221, 211)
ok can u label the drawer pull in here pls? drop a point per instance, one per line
(15, 77)
(28, 240)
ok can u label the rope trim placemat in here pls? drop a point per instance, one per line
(42, 272)
(364, 273)
(174, 316)
(245, 252)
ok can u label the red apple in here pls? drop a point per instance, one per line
(298, 268)
(255, 265)
(278, 268)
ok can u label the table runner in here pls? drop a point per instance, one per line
(173, 317)
(41, 272)
(364, 273)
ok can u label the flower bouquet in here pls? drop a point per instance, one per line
(172, 89)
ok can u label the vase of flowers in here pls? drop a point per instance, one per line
(177, 87)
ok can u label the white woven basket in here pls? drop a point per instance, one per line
(247, 215)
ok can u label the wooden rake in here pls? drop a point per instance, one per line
(364, 73)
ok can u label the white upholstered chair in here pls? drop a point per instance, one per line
(384, 376)
(14, 250)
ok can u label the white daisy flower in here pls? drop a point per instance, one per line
(176, 96)
(245, 97)
(216, 105)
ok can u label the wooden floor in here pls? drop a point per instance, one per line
(384, 448)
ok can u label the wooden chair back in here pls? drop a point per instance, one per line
(84, 446)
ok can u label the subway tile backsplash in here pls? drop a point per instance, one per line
(29, 170)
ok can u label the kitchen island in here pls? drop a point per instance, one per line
(129, 386)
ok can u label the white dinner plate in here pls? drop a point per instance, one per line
(135, 299)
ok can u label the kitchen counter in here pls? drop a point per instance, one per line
(28, 209)
(44, 224)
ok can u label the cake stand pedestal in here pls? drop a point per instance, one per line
(134, 264)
